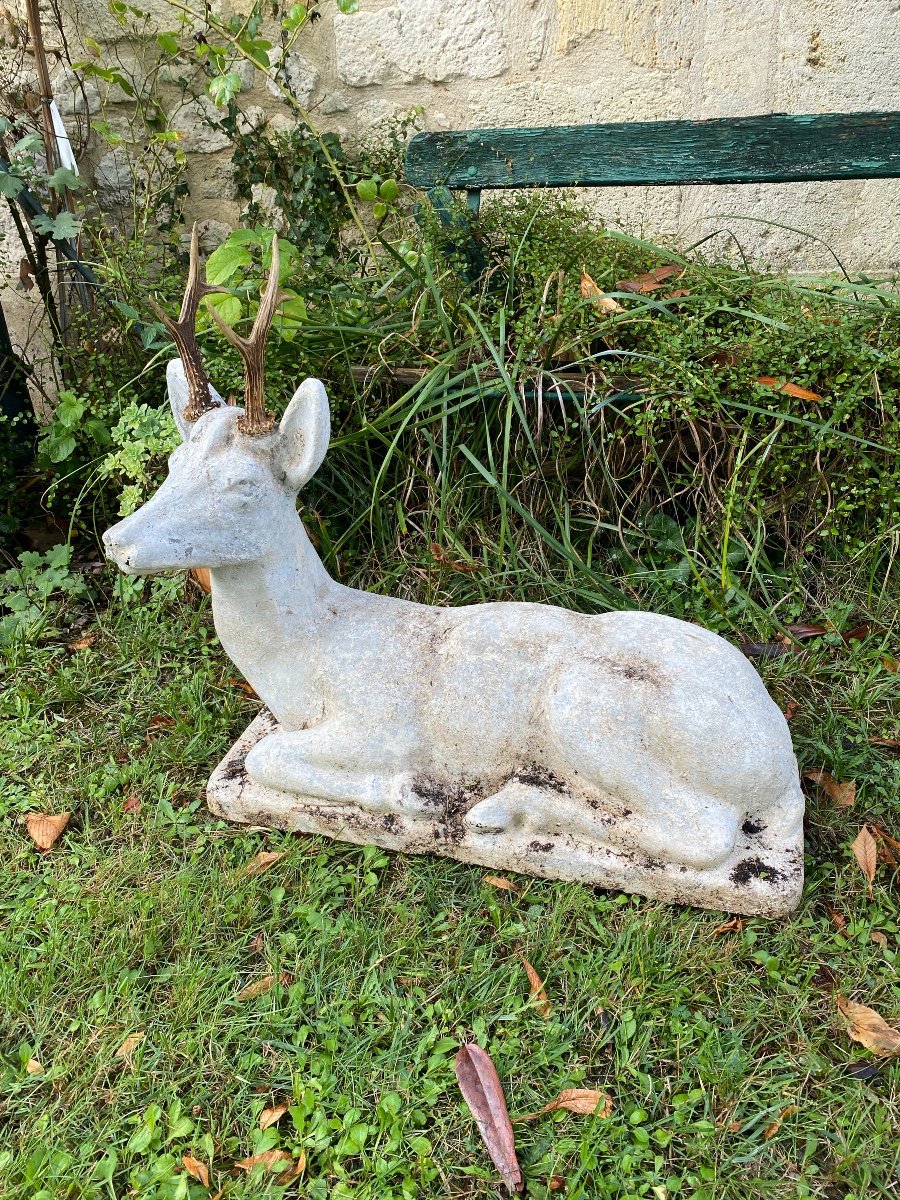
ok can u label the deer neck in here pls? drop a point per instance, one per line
(268, 614)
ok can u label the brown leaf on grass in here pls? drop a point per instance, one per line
(243, 686)
(842, 792)
(481, 1089)
(801, 631)
(538, 991)
(650, 281)
(556, 1183)
(161, 721)
(890, 664)
(865, 1026)
(879, 938)
(132, 804)
(885, 743)
(44, 829)
(790, 710)
(261, 862)
(200, 576)
(33, 1067)
(196, 1169)
(585, 1101)
(888, 847)
(591, 291)
(129, 1046)
(838, 920)
(505, 885)
(271, 1116)
(278, 1162)
(858, 632)
(735, 925)
(790, 389)
(865, 851)
(772, 1129)
(440, 555)
(82, 643)
(259, 987)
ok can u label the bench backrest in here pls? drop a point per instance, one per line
(768, 149)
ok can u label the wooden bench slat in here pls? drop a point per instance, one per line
(766, 149)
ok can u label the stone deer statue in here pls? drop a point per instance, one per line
(627, 749)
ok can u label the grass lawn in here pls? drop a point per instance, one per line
(730, 1071)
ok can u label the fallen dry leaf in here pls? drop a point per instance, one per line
(82, 643)
(200, 576)
(886, 743)
(161, 721)
(261, 862)
(497, 881)
(837, 919)
(735, 1126)
(843, 793)
(132, 804)
(772, 1129)
(243, 686)
(26, 283)
(258, 988)
(790, 710)
(650, 281)
(538, 991)
(865, 851)
(440, 555)
(196, 1169)
(890, 664)
(866, 1027)
(735, 925)
(129, 1045)
(790, 389)
(586, 1101)
(290, 1167)
(44, 829)
(591, 291)
(888, 847)
(556, 1183)
(33, 1067)
(480, 1085)
(879, 938)
(271, 1116)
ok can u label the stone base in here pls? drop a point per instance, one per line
(763, 877)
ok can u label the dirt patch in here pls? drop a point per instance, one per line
(540, 777)
(754, 868)
(751, 828)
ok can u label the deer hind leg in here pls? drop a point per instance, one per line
(327, 764)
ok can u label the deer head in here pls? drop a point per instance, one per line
(235, 477)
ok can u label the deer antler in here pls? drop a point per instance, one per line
(185, 338)
(252, 350)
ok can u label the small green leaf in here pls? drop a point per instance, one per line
(92, 46)
(63, 178)
(60, 228)
(224, 88)
(367, 189)
(225, 261)
(348, 6)
(10, 185)
(389, 190)
(379, 210)
(229, 308)
(168, 43)
(69, 411)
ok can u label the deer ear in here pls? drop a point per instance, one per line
(179, 396)
(305, 433)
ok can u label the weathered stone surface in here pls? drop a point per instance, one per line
(420, 39)
(199, 124)
(75, 96)
(628, 750)
(114, 178)
(297, 75)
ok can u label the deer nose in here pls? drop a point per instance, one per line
(115, 546)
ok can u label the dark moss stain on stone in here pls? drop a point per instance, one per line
(449, 802)
(754, 868)
(540, 777)
(751, 827)
(235, 769)
(540, 847)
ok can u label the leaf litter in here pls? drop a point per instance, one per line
(482, 1091)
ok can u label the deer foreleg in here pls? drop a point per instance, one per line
(328, 764)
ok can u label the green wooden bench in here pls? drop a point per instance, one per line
(769, 149)
(766, 149)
